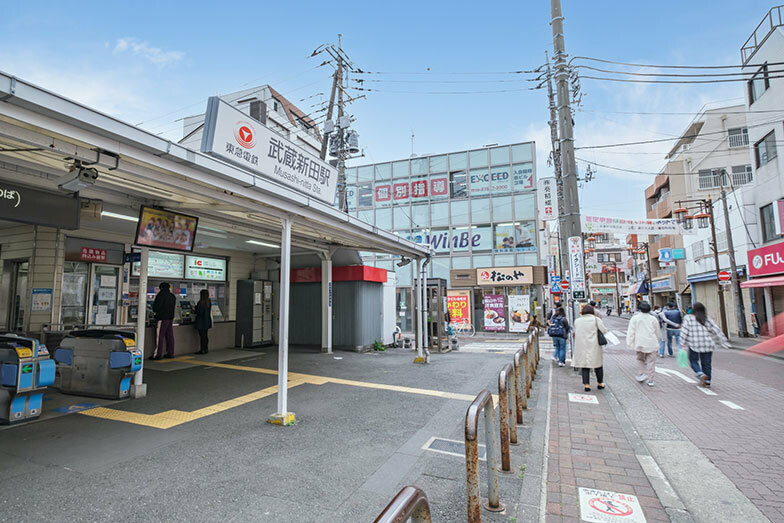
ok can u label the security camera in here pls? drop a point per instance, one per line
(79, 178)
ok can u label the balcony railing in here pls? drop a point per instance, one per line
(739, 140)
(768, 24)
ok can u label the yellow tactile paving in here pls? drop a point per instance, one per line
(172, 418)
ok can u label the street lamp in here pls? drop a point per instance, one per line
(591, 242)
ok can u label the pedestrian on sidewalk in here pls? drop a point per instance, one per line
(587, 353)
(663, 327)
(203, 321)
(644, 336)
(558, 329)
(163, 307)
(700, 336)
(673, 318)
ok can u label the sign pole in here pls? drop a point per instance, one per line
(139, 389)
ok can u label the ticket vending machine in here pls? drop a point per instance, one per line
(25, 372)
(97, 362)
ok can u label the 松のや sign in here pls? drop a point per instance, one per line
(233, 136)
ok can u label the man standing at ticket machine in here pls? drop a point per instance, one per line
(163, 307)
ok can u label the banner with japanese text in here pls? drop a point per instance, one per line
(661, 226)
(494, 312)
(458, 304)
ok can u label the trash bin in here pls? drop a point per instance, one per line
(25, 372)
(97, 362)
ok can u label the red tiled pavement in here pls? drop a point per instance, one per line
(746, 445)
(588, 448)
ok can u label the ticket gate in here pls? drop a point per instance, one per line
(97, 362)
(25, 372)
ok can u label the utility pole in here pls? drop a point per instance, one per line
(342, 203)
(740, 308)
(325, 140)
(562, 249)
(722, 305)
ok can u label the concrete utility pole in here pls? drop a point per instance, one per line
(342, 203)
(562, 249)
(740, 308)
(325, 140)
(722, 305)
(569, 215)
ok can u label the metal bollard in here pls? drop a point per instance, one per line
(410, 504)
(483, 401)
(536, 339)
(527, 364)
(505, 414)
(520, 400)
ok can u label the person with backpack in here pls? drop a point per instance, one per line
(673, 318)
(643, 335)
(700, 335)
(558, 330)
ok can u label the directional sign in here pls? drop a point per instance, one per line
(724, 276)
(665, 255)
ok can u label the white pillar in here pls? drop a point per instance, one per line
(770, 318)
(326, 303)
(425, 305)
(139, 389)
(418, 289)
(283, 416)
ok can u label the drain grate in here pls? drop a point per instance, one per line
(451, 447)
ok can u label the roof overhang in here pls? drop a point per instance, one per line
(149, 169)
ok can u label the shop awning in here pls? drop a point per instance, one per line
(772, 281)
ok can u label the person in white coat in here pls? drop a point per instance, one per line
(644, 336)
(587, 353)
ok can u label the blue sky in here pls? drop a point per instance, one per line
(151, 64)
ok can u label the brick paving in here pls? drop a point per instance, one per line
(746, 445)
(587, 448)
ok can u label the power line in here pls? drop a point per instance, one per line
(714, 81)
(672, 66)
(681, 113)
(529, 71)
(699, 75)
(365, 89)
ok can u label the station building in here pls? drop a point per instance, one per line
(476, 208)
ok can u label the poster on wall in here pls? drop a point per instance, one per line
(510, 237)
(41, 300)
(519, 313)
(458, 304)
(494, 313)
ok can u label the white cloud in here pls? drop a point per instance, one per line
(155, 55)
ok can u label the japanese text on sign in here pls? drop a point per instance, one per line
(548, 203)
(504, 276)
(92, 254)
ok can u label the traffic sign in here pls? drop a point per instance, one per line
(724, 276)
(600, 506)
(564, 284)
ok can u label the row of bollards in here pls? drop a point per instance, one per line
(514, 381)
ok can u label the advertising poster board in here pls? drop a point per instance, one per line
(519, 313)
(494, 312)
(458, 304)
(166, 229)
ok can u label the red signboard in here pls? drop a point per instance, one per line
(564, 284)
(725, 276)
(400, 191)
(766, 260)
(91, 254)
(349, 273)
(383, 193)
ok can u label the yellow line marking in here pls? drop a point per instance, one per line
(172, 418)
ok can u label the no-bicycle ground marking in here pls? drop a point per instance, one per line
(583, 398)
(601, 506)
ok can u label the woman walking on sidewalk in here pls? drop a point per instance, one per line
(644, 335)
(587, 351)
(699, 334)
(558, 330)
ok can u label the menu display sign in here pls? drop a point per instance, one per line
(166, 229)
(458, 304)
(162, 265)
(494, 313)
(519, 313)
(201, 268)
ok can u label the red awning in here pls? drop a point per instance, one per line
(771, 281)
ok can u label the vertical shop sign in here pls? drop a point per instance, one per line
(494, 313)
(458, 303)
(548, 203)
(576, 267)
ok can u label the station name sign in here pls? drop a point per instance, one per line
(26, 205)
(233, 136)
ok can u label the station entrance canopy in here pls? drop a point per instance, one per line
(44, 135)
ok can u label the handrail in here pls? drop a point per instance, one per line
(749, 48)
(409, 504)
(508, 430)
(520, 399)
(483, 401)
(527, 363)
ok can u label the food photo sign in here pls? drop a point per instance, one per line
(494, 313)
(519, 313)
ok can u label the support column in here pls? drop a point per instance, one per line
(138, 388)
(770, 318)
(283, 416)
(326, 303)
(420, 358)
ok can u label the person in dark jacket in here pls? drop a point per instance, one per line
(163, 307)
(558, 330)
(673, 318)
(203, 320)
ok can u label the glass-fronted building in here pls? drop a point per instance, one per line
(477, 208)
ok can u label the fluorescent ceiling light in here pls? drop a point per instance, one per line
(119, 216)
(209, 233)
(263, 244)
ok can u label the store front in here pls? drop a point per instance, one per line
(664, 290)
(766, 272)
(705, 289)
(502, 299)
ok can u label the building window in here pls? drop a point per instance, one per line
(459, 212)
(457, 181)
(758, 84)
(439, 213)
(601, 258)
(738, 137)
(741, 174)
(478, 158)
(365, 195)
(438, 164)
(499, 155)
(697, 249)
(768, 219)
(765, 149)
(418, 166)
(711, 178)
(400, 169)
(721, 241)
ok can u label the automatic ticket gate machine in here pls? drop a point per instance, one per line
(25, 372)
(97, 362)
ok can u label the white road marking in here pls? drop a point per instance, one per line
(707, 391)
(675, 373)
(731, 405)
(619, 333)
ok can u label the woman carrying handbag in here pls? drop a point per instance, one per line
(589, 333)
